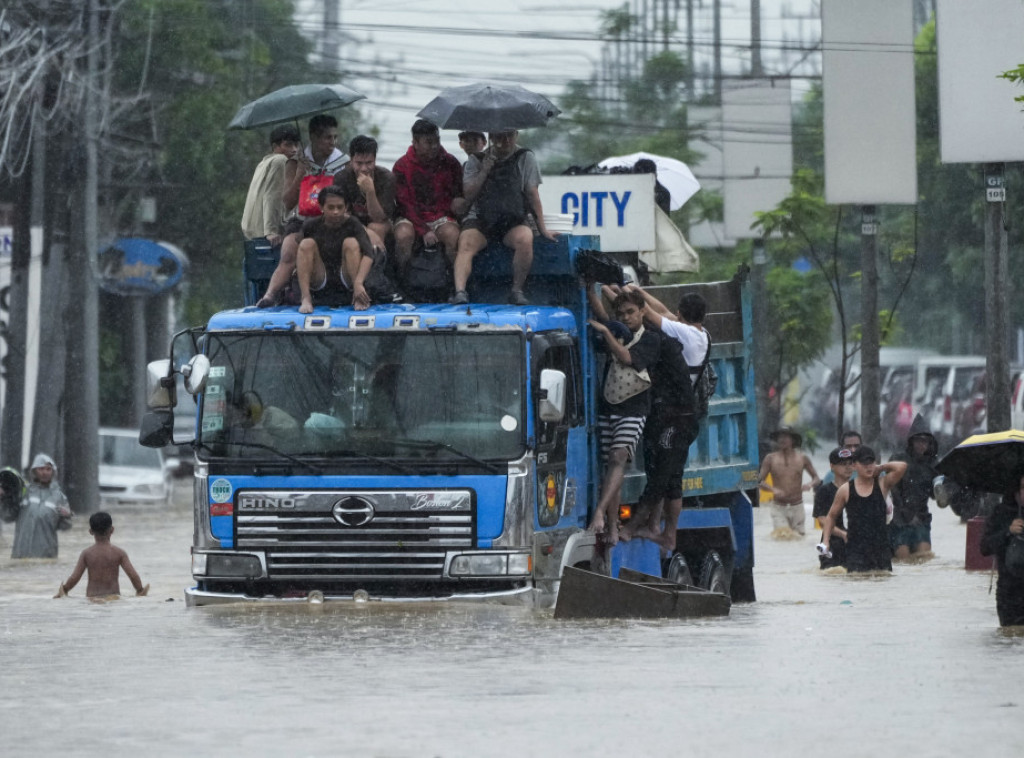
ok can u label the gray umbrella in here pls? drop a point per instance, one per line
(292, 103)
(488, 108)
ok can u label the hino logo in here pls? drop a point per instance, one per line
(353, 511)
(270, 502)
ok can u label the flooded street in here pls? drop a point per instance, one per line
(913, 664)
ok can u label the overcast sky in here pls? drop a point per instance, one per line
(400, 53)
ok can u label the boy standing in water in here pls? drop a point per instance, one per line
(103, 561)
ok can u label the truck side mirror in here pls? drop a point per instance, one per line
(157, 428)
(552, 395)
(159, 391)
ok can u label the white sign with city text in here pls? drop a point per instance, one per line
(619, 208)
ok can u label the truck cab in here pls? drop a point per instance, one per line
(433, 451)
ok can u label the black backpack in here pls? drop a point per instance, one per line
(705, 384)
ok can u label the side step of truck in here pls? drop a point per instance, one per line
(584, 594)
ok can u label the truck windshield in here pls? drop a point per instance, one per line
(348, 394)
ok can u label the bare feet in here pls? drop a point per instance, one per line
(613, 533)
(307, 305)
(596, 526)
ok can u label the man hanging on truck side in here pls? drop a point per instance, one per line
(624, 400)
(673, 424)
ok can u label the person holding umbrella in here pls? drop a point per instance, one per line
(1004, 526)
(501, 186)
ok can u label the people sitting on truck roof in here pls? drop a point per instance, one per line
(428, 179)
(369, 190)
(264, 211)
(672, 424)
(321, 156)
(501, 186)
(625, 398)
(337, 264)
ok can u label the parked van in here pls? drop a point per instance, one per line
(934, 375)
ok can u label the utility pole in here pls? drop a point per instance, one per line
(81, 425)
(869, 346)
(718, 51)
(756, 67)
(997, 276)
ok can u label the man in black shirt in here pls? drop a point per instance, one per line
(336, 260)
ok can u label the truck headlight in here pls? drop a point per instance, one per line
(491, 564)
(232, 565)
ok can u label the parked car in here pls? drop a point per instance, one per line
(131, 473)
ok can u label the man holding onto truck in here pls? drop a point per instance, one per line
(624, 401)
(673, 424)
(502, 187)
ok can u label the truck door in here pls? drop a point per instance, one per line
(561, 447)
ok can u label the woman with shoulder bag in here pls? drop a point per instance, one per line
(1004, 538)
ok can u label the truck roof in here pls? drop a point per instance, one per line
(398, 316)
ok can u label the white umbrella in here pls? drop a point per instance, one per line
(674, 175)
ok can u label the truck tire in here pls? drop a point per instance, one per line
(742, 586)
(713, 576)
(677, 570)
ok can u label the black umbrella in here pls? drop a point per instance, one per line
(488, 108)
(292, 103)
(986, 462)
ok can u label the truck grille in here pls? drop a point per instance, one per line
(361, 535)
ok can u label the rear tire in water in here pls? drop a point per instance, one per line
(713, 576)
(678, 571)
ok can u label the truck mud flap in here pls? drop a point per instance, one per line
(584, 594)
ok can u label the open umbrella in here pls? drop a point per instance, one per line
(674, 175)
(987, 462)
(488, 108)
(293, 102)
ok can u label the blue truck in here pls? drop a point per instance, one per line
(434, 451)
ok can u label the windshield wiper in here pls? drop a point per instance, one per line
(436, 445)
(261, 446)
(367, 457)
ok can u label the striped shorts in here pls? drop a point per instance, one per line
(620, 432)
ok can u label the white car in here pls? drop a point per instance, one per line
(131, 473)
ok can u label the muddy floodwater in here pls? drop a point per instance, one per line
(912, 664)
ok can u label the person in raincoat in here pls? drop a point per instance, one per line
(910, 532)
(44, 510)
(1005, 523)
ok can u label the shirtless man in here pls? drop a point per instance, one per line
(787, 466)
(103, 562)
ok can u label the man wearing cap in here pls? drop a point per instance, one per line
(502, 188)
(864, 500)
(263, 214)
(840, 462)
(910, 532)
(787, 466)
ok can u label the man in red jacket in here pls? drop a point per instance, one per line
(427, 180)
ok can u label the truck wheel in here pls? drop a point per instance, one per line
(677, 571)
(713, 576)
(742, 586)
